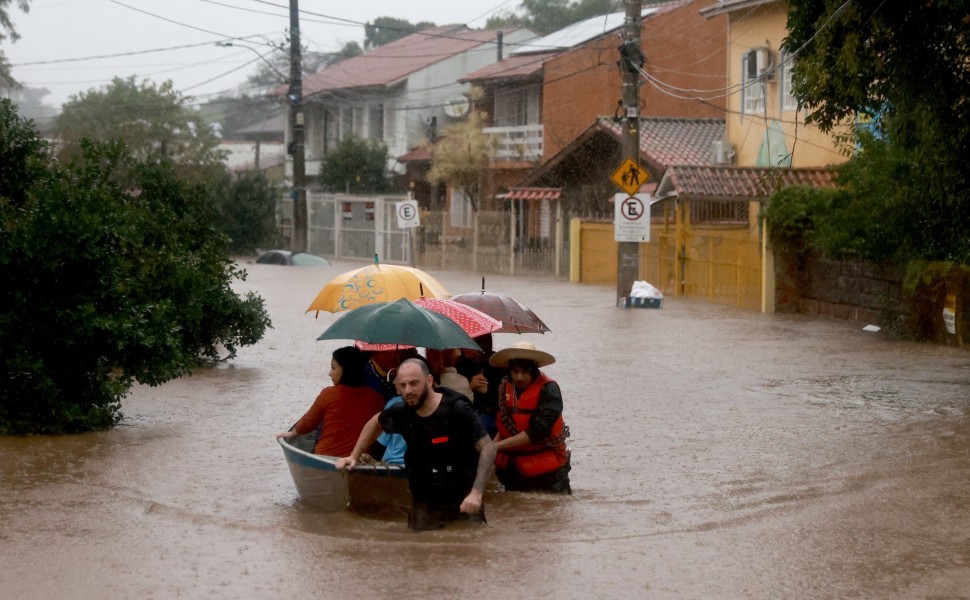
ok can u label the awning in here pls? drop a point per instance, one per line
(534, 193)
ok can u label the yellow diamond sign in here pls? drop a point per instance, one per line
(630, 176)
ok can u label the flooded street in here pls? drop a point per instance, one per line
(716, 454)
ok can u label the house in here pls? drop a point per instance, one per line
(717, 247)
(765, 127)
(552, 89)
(400, 93)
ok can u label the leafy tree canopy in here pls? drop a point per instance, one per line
(355, 166)
(153, 121)
(8, 31)
(114, 274)
(462, 155)
(546, 16)
(908, 65)
(387, 29)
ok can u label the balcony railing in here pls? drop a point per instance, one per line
(517, 143)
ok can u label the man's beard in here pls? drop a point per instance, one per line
(421, 400)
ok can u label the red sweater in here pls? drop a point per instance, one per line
(343, 411)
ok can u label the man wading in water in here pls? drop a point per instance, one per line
(449, 454)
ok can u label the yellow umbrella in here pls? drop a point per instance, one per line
(376, 283)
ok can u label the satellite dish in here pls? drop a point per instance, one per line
(456, 107)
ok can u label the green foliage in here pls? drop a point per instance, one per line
(925, 287)
(247, 211)
(154, 122)
(356, 166)
(7, 30)
(113, 274)
(546, 16)
(462, 155)
(909, 67)
(385, 30)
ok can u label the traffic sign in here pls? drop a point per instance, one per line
(630, 176)
(407, 214)
(631, 218)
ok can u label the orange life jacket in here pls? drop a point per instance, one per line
(538, 457)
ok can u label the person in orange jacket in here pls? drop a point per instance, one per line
(531, 439)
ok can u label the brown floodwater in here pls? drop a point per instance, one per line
(717, 453)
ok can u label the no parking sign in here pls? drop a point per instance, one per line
(631, 218)
(407, 214)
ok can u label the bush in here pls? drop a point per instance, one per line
(114, 274)
(247, 212)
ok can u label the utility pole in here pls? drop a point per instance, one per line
(631, 58)
(297, 149)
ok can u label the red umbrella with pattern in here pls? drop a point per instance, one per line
(472, 320)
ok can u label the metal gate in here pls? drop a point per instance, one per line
(345, 226)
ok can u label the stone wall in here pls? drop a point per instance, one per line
(842, 289)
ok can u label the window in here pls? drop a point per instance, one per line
(718, 211)
(375, 128)
(346, 122)
(516, 107)
(461, 210)
(752, 87)
(788, 102)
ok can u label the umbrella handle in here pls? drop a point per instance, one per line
(483, 283)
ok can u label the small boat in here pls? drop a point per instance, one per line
(371, 487)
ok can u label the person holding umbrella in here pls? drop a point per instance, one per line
(531, 440)
(449, 455)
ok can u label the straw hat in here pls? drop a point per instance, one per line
(521, 351)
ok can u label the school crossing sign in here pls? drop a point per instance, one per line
(631, 218)
(629, 176)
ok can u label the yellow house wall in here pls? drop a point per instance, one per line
(766, 26)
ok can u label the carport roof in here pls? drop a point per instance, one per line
(730, 182)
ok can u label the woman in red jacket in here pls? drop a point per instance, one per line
(341, 410)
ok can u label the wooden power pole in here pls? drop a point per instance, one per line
(631, 57)
(297, 148)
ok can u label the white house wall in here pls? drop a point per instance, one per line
(408, 107)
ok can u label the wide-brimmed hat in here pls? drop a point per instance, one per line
(521, 351)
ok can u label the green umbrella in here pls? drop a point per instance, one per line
(399, 322)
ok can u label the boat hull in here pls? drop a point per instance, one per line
(368, 488)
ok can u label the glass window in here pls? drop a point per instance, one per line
(788, 102)
(752, 89)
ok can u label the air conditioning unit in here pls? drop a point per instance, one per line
(761, 64)
(722, 152)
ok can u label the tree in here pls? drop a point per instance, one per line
(114, 274)
(154, 122)
(462, 156)
(355, 166)
(385, 30)
(247, 211)
(546, 16)
(7, 30)
(909, 67)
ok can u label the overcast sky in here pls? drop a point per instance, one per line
(137, 37)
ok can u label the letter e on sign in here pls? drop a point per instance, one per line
(407, 214)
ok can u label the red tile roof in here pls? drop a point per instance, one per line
(739, 182)
(519, 66)
(666, 141)
(418, 154)
(390, 63)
